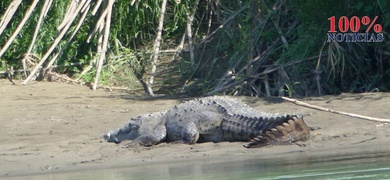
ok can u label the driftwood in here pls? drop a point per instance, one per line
(55, 77)
(113, 88)
(336, 112)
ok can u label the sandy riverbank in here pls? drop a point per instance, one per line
(53, 127)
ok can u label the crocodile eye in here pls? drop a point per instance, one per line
(134, 127)
(107, 136)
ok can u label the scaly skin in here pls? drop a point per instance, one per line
(212, 119)
(146, 129)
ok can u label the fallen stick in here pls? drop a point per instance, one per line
(300, 103)
(113, 88)
(62, 78)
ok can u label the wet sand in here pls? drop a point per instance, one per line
(54, 127)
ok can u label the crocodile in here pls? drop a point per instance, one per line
(213, 119)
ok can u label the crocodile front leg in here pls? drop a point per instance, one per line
(192, 126)
(182, 132)
(158, 135)
(148, 139)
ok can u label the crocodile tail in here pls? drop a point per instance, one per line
(291, 131)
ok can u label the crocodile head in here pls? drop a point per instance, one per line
(128, 132)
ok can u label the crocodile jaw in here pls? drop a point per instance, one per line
(111, 137)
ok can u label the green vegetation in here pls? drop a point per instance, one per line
(252, 47)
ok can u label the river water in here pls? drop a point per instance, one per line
(356, 166)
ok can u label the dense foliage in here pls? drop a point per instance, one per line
(251, 47)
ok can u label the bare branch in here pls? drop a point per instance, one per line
(190, 19)
(300, 103)
(98, 24)
(16, 32)
(156, 48)
(106, 35)
(223, 24)
(55, 43)
(81, 20)
(9, 14)
(69, 13)
(96, 7)
(45, 9)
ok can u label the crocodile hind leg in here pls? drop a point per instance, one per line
(289, 132)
